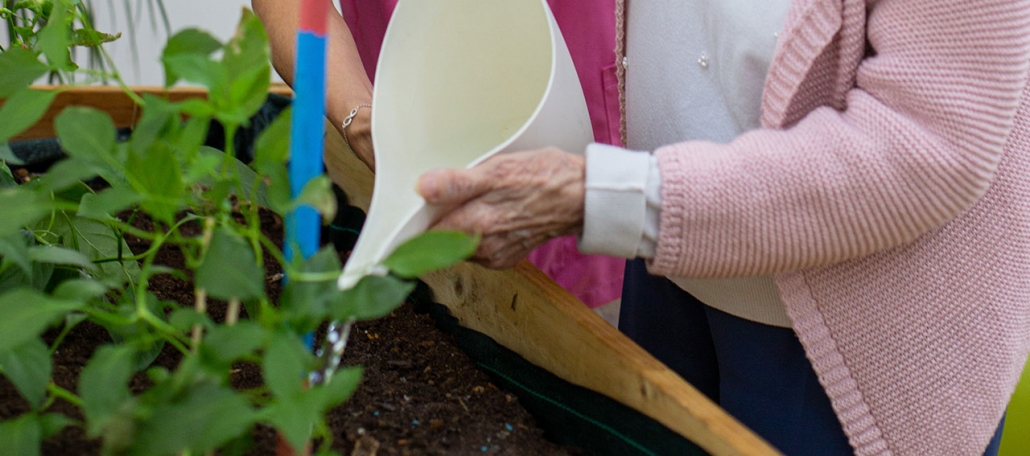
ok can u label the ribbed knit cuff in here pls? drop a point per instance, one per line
(615, 204)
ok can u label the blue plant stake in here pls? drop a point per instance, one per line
(308, 125)
(307, 129)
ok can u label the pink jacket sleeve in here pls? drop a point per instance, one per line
(917, 143)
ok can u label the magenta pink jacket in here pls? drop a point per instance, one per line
(590, 36)
(889, 193)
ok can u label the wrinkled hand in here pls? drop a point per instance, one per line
(514, 201)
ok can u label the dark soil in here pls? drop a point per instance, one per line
(420, 394)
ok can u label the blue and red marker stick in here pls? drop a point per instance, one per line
(307, 129)
(308, 124)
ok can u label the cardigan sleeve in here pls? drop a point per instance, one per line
(917, 143)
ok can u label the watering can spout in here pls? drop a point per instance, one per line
(459, 81)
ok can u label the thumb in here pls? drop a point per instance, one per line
(442, 186)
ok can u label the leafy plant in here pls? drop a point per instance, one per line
(64, 259)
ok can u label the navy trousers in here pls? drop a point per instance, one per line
(758, 373)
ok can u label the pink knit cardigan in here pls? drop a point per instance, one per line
(889, 193)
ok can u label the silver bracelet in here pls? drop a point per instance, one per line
(349, 119)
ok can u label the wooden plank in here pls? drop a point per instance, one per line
(530, 314)
(114, 101)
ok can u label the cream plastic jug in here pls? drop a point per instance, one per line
(457, 82)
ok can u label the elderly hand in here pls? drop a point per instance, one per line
(514, 201)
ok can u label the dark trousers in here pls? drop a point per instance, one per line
(758, 373)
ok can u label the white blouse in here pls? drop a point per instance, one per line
(695, 70)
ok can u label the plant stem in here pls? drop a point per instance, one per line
(200, 303)
(328, 276)
(273, 250)
(61, 393)
(60, 337)
(121, 259)
(232, 314)
(118, 77)
(170, 333)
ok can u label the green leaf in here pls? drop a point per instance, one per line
(26, 313)
(246, 61)
(277, 180)
(156, 175)
(243, 187)
(373, 297)
(55, 38)
(22, 110)
(198, 69)
(18, 68)
(205, 417)
(203, 169)
(193, 134)
(7, 156)
(92, 38)
(248, 91)
(188, 41)
(295, 418)
(198, 108)
(28, 367)
(12, 279)
(98, 241)
(13, 249)
(341, 386)
(87, 134)
(80, 290)
(318, 194)
(430, 251)
(228, 343)
(304, 302)
(185, 318)
(160, 119)
(284, 366)
(59, 255)
(21, 436)
(271, 152)
(229, 269)
(103, 385)
(273, 144)
(102, 206)
(52, 423)
(139, 333)
(248, 48)
(67, 173)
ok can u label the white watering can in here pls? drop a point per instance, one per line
(459, 81)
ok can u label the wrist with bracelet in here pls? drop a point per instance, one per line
(350, 118)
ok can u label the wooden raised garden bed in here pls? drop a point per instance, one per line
(521, 309)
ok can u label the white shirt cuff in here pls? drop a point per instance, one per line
(617, 207)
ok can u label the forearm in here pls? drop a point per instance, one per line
(348, 85)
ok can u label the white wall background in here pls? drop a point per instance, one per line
(218, 17)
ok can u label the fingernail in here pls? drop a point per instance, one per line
(426, 185)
